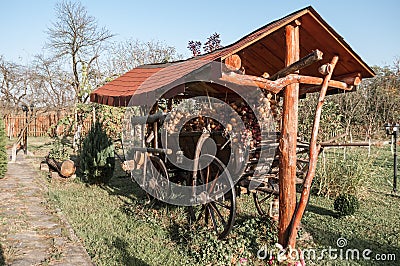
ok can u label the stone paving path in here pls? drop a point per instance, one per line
(31, 232)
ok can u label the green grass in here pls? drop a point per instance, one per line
(375, 226)
(114, 230)
(117, 227)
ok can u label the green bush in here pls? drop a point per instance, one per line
(346, 204)
(3, 152)
(97, 159)
(59, 151)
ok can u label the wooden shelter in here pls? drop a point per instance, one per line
(279, 58)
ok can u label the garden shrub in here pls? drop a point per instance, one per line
(3, 152)
(59, 151)
(97, 159)
(346, 204)
(337, 174)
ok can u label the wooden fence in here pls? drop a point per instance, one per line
(43, 124)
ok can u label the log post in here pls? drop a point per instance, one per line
(288, 141)
(314, 151)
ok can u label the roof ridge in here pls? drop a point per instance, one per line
(229, 45)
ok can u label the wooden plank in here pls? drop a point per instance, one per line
(274, 44)
(248, 63)
(304, 62)
(340, 41)
(321, 38)
(272, 50)
(265, 62)
(288, 142)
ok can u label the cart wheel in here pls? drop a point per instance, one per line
(156, 179)
(219, 214)
(261, 201)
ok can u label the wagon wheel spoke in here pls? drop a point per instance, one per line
(195, 213)
(208, 177)
(260, 199)
(218, 213)
(214, 181)
(204, 176)
(222, 211)
(222, 205)
(214, 221)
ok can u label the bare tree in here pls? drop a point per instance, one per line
(12, 88)
(51, 82)
(76, 37)
(125, 55)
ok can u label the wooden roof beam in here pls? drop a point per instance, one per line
(275, 86)
(313, 89)
(304, 62)
(351, 80)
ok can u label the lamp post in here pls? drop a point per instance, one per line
(391, 130)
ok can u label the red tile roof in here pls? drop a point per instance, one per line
(142, 82)
(147, 81)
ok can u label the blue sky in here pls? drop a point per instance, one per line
(372, 28)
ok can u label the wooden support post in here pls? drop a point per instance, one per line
(314, 151)
(288, 141)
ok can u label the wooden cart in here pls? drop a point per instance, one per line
(231, 167)
(278, 58)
